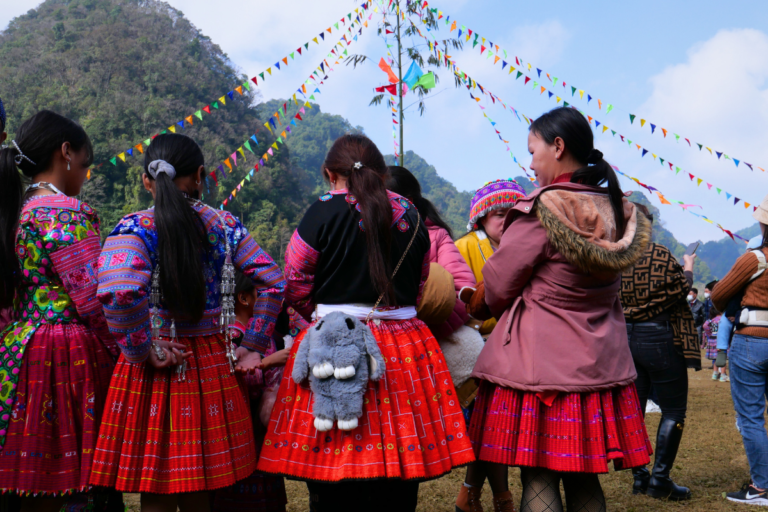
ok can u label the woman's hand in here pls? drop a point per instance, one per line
(247, 361)
(174, 354)
(688, 260)
(477, 308)
(279, 358)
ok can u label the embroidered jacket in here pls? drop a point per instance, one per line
(326, 260)
(57, 245)
(125, 271)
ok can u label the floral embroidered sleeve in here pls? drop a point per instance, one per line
(300, 266)
(251, 259)
(125, 271)
(73, 241)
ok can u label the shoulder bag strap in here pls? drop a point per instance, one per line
(394, 273)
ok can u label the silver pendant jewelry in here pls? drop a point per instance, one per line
(158, 351)
(156, 322)
(155, 319)
(181, 371)
(227, 318)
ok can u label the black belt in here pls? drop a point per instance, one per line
(648, 324)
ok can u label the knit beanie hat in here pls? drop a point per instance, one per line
(493, 195)
(2, 116)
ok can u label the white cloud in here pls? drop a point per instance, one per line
(719, 98)
(541, 44)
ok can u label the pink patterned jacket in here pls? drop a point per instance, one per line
(444, 252)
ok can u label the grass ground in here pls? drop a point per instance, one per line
(711, 461)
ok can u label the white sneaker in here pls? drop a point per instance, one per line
(651, 407)
(724, 378)
(749, 495)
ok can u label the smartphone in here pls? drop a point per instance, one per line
(692, 249)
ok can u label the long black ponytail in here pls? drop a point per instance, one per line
(568, 124)
(38, 138)
(366, 183)
(402, 181)
(180, 231)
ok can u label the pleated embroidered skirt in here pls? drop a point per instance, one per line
(579, 432)
(162, 435)
(57, 406)
(411, 427)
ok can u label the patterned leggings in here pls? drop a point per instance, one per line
(541, 491)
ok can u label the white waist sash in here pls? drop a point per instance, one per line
(361, 312)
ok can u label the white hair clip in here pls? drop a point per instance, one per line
(358, 165)
(21, 156)
(156, 167)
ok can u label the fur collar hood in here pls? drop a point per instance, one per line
(580, 225)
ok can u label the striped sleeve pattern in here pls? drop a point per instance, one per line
(251, 259)
(300, 266)
(125, 271)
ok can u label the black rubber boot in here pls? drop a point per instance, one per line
(667, 443)
(642, 476)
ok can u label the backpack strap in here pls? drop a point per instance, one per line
(761, 264)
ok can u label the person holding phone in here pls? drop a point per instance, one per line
(664, 344)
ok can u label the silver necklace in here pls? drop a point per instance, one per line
(43, 185)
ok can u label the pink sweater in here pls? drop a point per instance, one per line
(444, 252)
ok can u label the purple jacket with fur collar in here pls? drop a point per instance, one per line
(554, 286)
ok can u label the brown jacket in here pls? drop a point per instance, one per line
(755, 293)
(554, 285)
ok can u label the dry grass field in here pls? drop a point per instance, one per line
(711, 461)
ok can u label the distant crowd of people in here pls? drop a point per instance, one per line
(179, 361)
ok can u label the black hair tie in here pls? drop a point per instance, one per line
(594, 156)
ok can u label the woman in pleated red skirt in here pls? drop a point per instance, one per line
(177, 421)
(57, 355)
(557, 395)
(342, 258)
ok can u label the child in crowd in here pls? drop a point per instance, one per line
(489, 206)
(710, 329)
(259, 491)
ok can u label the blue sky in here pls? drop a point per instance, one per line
(697, 68)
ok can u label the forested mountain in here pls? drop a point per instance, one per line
(452, 204)
(126, 69)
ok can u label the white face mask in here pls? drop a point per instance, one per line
(690, 298)
(706, 295)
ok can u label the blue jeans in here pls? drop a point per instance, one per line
(749, 382)
(724, 333)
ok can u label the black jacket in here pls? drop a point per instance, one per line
(698, 313)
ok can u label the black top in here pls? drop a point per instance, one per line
(333, 227)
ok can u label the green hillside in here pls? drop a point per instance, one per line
(126, 69)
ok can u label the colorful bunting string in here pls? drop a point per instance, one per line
(495, 128)
(597, 124)
(240, 89)
(602, 128)
(278, 117)
(687, 207)
(495, 99)
(492, 50)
